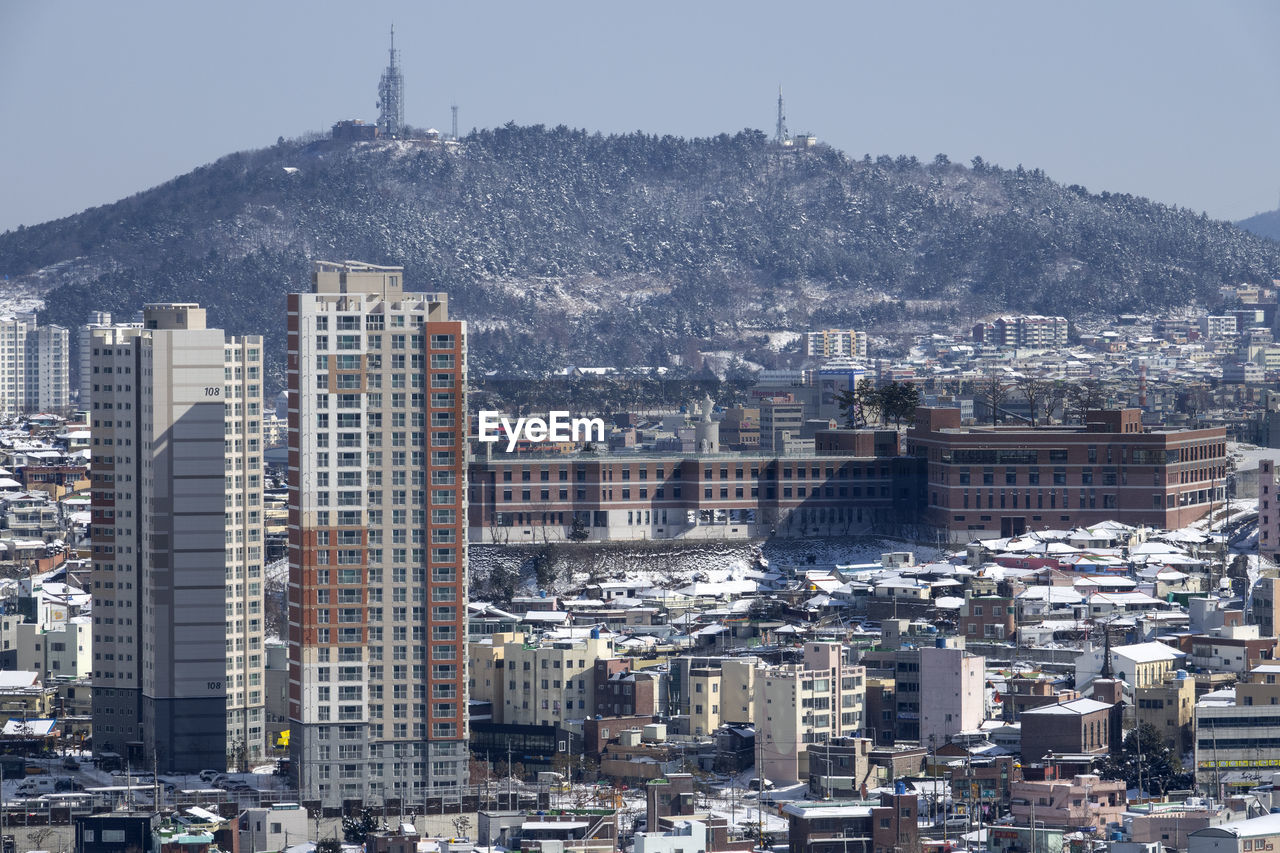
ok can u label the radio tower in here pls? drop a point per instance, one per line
(781, 134)
(453, 108)
(391, 95)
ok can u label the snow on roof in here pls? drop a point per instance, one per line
(1155, 548)
(1123, 598)
(1104, 580)
(14, 679)
(1148, 652)
(1186, 534)
(1051, 594)
(1075, 708)
(552, 616)
(1266, 825)
(28, 728)
(833, 809)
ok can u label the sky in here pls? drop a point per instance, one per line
(1170, 100)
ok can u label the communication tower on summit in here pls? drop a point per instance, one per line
(453, 108)
(391, 95)
(781, 136)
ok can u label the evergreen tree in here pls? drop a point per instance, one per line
(1161, 770)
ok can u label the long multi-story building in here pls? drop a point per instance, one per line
(377, 538)
(33, 365)
(1002, 481)
(980, 481)
(1030, 331)
(177, 542)
(526, 498)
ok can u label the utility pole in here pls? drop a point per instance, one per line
(1137, 743)
(760, 778)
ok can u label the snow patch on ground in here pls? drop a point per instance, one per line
(673, 564)
(779, 341)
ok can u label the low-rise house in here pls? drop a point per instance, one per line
(1082, 802)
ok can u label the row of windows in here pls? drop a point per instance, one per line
(1033, 456)
(844, 472)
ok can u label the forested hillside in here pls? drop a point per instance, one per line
(563, 246)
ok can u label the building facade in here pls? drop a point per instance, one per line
(178, 617)
(836, 343)
(954, 697)
(551, 683)
(34, 365)
(84, 366)
(1239, 730)
(48, 369)
(985, 481)
(1268, 531)
(531, 499)
(377, 538)
(798, 705)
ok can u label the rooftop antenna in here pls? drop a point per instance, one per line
(781, 135)
(391, 94)
(453, 108)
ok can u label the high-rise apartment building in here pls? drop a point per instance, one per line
(84, 369)
(48, 366)
(177, 542)
(377, 538)
(33, 365)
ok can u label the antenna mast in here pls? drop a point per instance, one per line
(453, 108)
(391, 95)
(780, 135)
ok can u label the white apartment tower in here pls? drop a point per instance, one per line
(377, 538)
(177, 543)
(34, 365)
(84, 370)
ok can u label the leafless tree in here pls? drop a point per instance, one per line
(1036, 393)
(1085, 396)
(993, 391)
(1057, 400)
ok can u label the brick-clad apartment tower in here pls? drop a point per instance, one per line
(377, 538)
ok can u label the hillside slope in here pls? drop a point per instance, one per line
(1263, 224)
(565, 246)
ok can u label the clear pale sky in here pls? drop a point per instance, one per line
(1171, 100)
